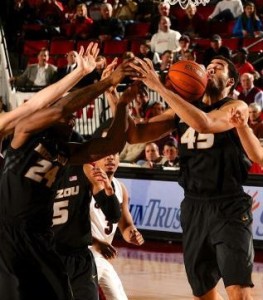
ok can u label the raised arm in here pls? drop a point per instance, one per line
(47, 96)
(69, 104)
(215, 121)
(126, 224)
(116, 137)
(103, 192)
(111, 94)
(250, 143)
(156, 128)
(91, 92)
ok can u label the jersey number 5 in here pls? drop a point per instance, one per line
(197, 140)
(60, 215)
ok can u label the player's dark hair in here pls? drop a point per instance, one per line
(232, 71)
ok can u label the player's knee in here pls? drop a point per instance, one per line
(211, 295)
(237, 292)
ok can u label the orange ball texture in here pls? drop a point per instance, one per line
(188, 79)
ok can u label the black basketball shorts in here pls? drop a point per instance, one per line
(217, 241)
(82, 273)
(30, 267)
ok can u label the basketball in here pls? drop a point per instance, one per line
(188, 79)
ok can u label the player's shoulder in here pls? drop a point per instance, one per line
(235, 103)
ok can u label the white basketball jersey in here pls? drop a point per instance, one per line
(100, 227)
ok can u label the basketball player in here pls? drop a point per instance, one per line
(103, 230)
(71, 225)
(216, 213)
(32, 163)
(71, 221)
(47, 96)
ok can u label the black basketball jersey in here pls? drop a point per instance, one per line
(210, 164)
(71, 219)
(27, 179)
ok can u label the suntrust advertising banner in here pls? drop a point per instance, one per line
(155, 205)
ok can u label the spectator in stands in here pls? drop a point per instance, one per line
(255, 122)
(145, 50)
(248, 24)
(165, 39)
(71, 65)
(193, 23)
(70, 9)
(242, 64)
(80, 26)
(184, 43)
(170, 154)
(132, 152)
(249, 92)
(141, 104)
(155, 109)
(153, 158)
(226, 10)
(51, 14)
(124, 10)
(162, 67)
(163, 11)
(92, 77)
(146, 9)
(37, 75)
(107, 27)
(189, 54)
(216, 48)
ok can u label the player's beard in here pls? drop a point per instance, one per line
(215, 88)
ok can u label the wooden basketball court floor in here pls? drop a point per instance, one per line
(156, 271)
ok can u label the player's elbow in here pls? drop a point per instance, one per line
(203, 127)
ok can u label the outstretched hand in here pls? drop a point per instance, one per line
(146, 73)
(108, 71)
(86, 59)
(124, 69)
(101, 177)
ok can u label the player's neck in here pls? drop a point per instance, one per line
(213, 98)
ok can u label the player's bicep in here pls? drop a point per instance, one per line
(91, 150)
(219, 120)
